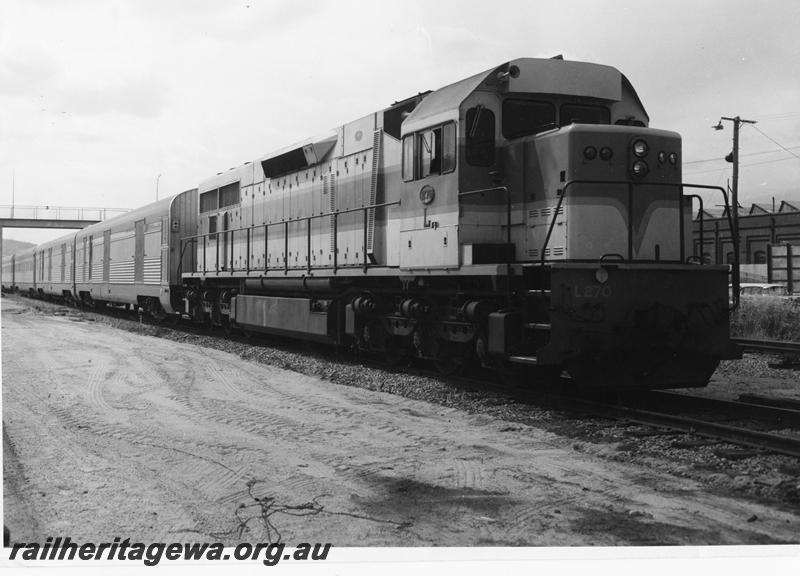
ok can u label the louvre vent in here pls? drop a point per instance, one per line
(377, 153)
(329, 186)
(543, 212)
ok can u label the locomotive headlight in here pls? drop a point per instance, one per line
(640, 148)
(606, 153)
(673, 158)
(639, 169)
(601, 275)
(427, 194)
(590, 152)
(662, 157)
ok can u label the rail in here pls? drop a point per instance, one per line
(59, 212)
(767, 345)
(193, 240)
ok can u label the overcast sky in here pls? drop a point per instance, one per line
(97, 98)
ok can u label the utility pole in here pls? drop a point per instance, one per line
(734, 158)
(157, 179)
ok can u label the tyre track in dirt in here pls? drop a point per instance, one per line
(164, 438)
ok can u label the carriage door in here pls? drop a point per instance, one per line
(63, 260)
(49, 264)
(83, 262)
(138, 252)
(106, 254)
(91, 256)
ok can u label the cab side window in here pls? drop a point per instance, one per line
(429, 152)
(408, 157)
(480, 136)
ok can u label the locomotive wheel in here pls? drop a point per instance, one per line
(449, 358)
(394, 352)
(213, 319)
(155, 310)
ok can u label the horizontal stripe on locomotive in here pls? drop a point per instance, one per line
(353, 270)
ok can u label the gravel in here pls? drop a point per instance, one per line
(762, 477)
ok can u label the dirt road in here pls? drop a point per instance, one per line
(109, 433)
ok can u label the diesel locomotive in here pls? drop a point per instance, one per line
(525, 219)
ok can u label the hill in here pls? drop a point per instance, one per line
(13, 246)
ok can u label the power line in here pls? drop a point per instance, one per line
(747, 154)
(743, 165)
(780, 116)
(771, 139)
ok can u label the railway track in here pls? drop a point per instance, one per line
(767, 345)
(752, 421)
(744, 423)
(762, 423)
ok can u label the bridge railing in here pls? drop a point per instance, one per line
(59, 212)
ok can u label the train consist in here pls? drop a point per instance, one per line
(523, 218)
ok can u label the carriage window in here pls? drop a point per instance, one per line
(526, 117)
(480, 136)
(584, 114)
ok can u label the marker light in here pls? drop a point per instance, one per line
(662, 157)
(639, 168)
(673, 158)
(590, 152)
(640, 148)
(606, 153)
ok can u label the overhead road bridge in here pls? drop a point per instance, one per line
(51, 217)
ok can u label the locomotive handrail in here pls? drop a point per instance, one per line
(294, 220)
(285, 223)
(735, 265)
(702, 240)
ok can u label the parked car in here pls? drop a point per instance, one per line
(754, 289)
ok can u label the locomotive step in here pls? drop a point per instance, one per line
(537, 326)
(539, 293)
